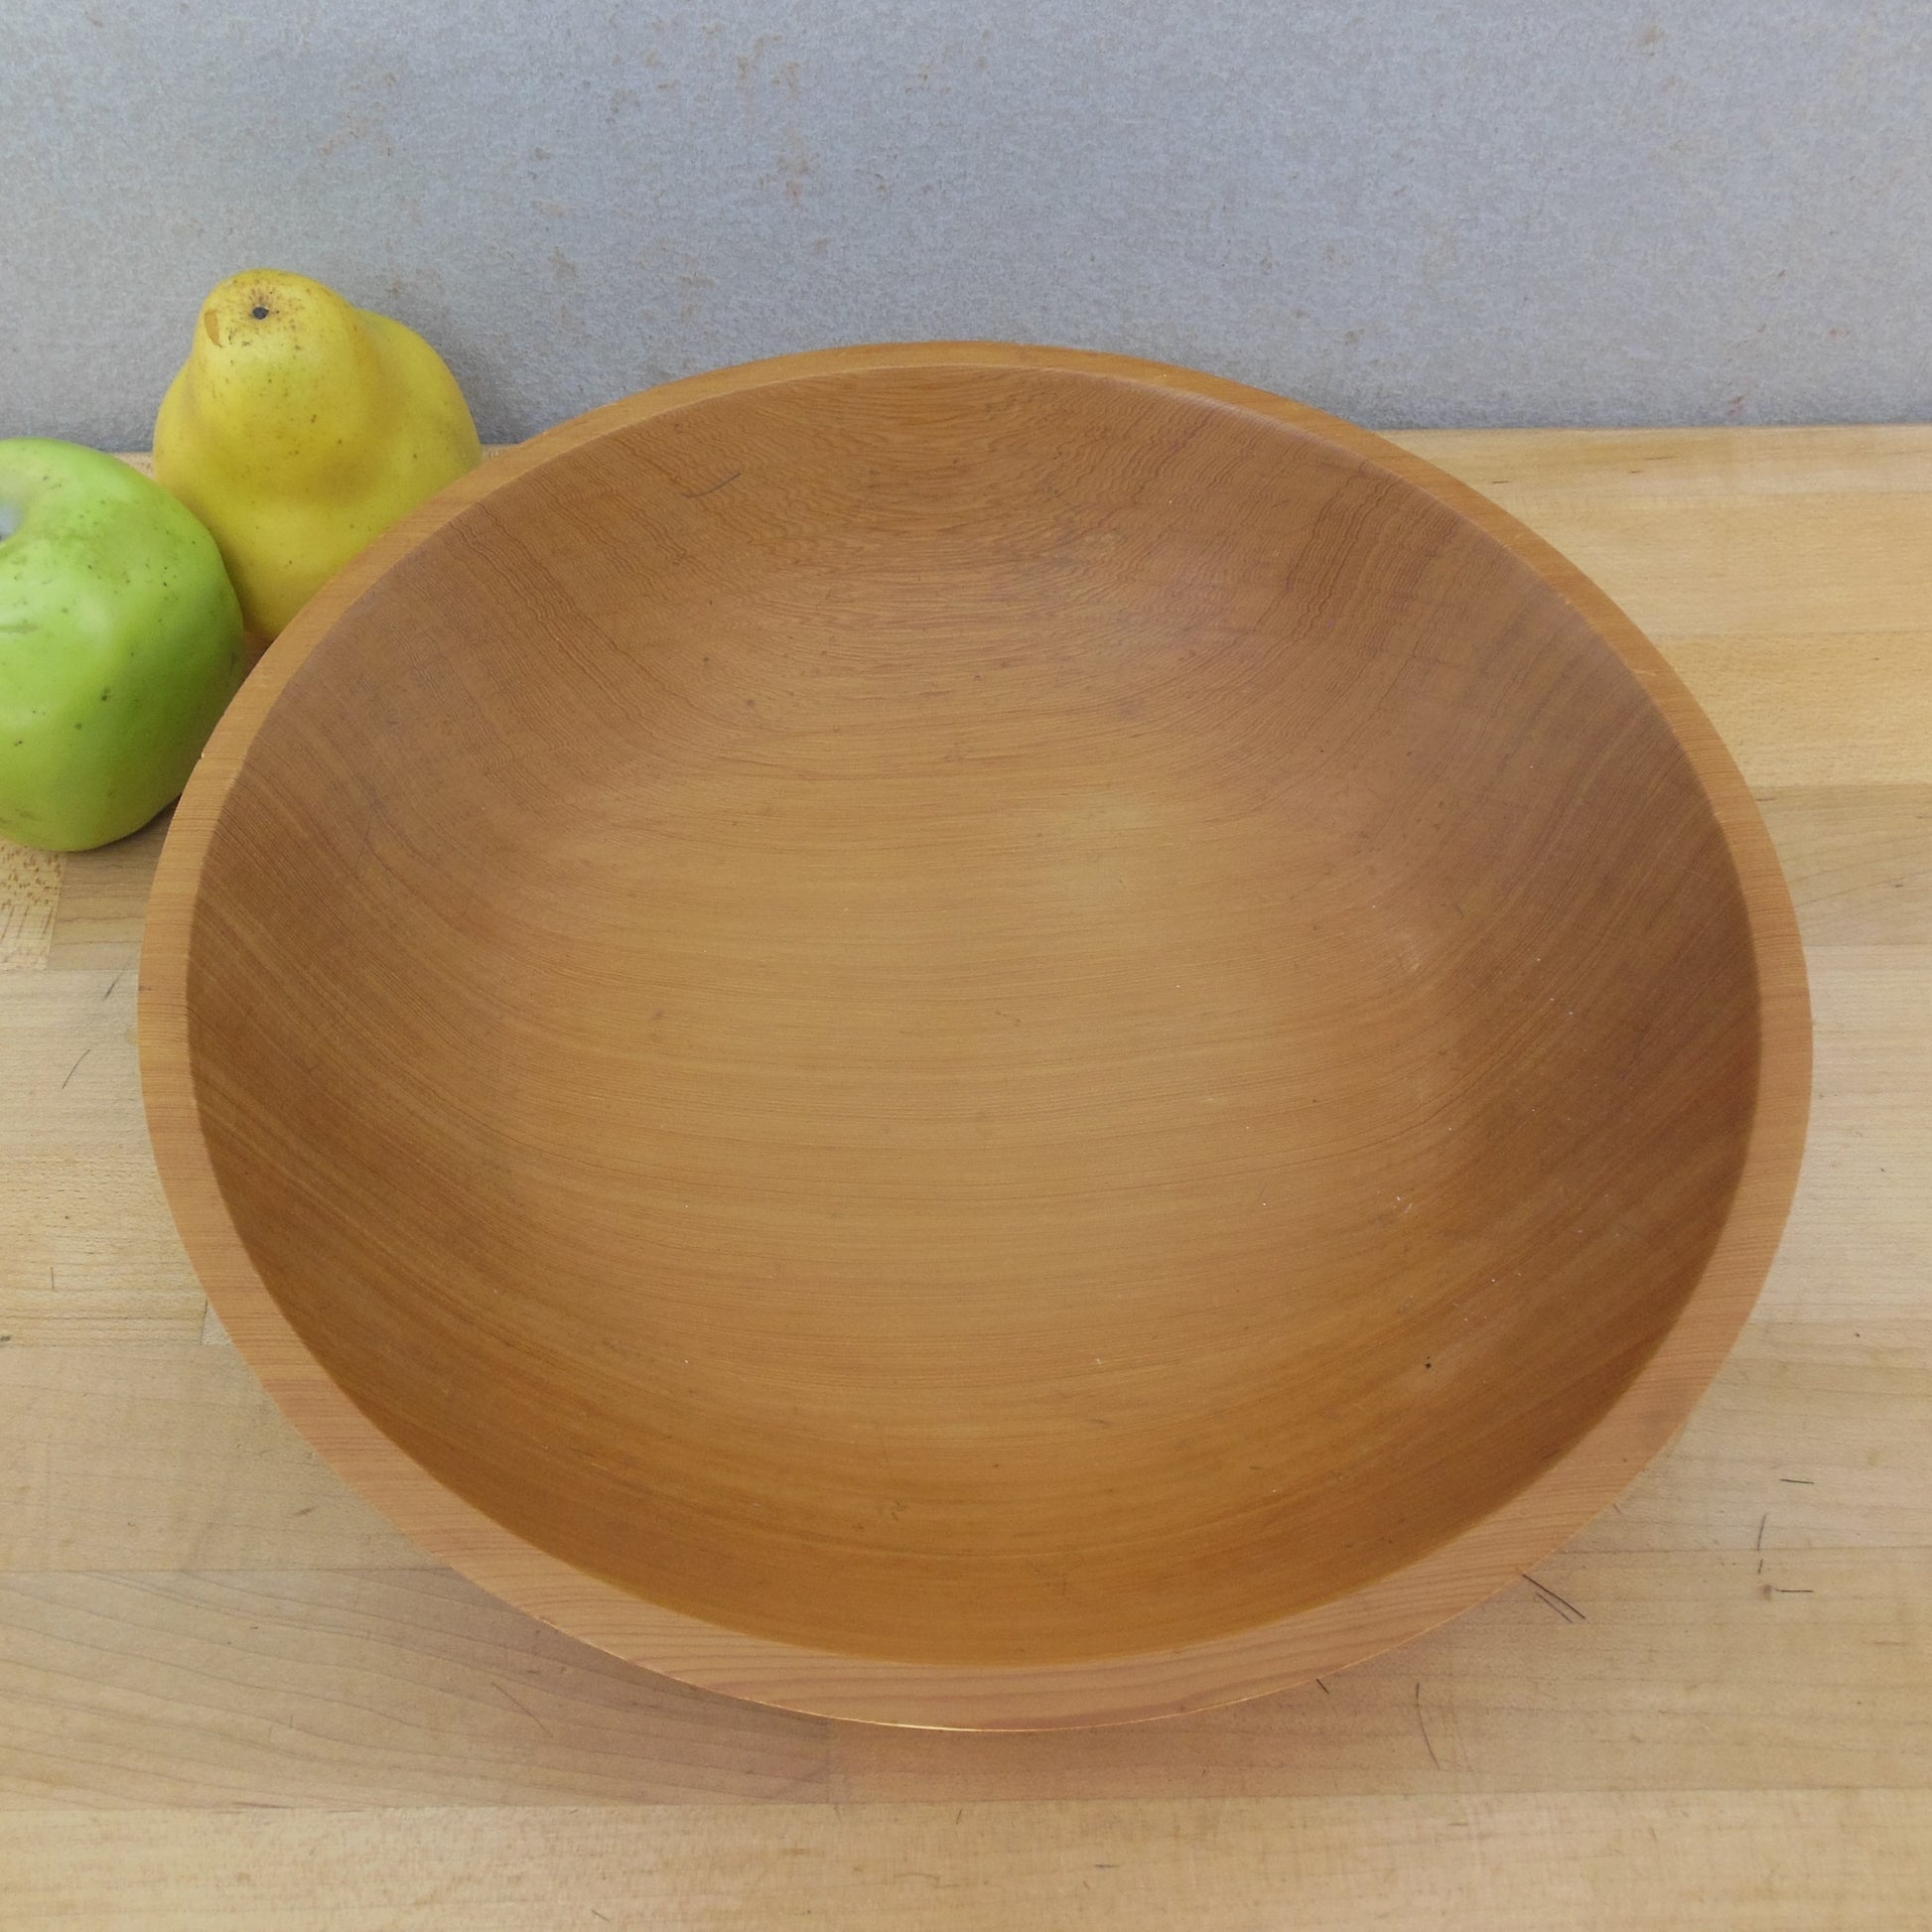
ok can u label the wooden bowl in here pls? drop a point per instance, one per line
(975, 1036)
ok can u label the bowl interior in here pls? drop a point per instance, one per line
(973, 1015)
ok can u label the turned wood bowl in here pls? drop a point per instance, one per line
(975, 1036)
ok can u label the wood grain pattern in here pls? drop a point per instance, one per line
(1859, 859)
(165, 1458)
(1773, 1862)
(1866, 1246)
(1757, 1761)
(975, 1036)
(89, 1254)
(356, 1687)
(102, 907)
(30, 888)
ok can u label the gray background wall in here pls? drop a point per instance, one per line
(1498, 212)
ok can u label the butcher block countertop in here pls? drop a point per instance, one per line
(230, 1695)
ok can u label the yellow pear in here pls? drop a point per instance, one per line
(299, 429)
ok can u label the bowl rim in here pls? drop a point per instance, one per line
(1454, 1576)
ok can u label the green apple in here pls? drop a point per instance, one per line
(120, 645)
